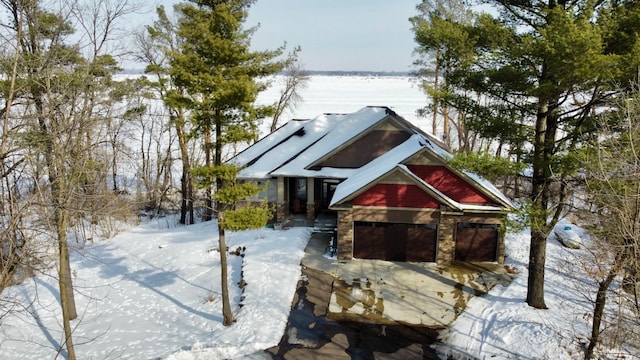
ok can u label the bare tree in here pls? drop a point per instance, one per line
(612, 184)
(63, 103)
(295, 80)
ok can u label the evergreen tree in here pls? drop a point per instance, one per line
(220, 75)
(156, 47)
(441, 30)
(60, 99)
(548, 66)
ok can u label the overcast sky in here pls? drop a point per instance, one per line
(371, 35)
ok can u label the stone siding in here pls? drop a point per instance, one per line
(311, 212)
(345, 234)
(282, 210)
(446, 242)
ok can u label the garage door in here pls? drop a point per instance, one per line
(394, 242)
(476, 242)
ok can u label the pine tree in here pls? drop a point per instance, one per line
(220, 75)
(156, 45)
(548, 66)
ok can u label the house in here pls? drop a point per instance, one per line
(388, 183)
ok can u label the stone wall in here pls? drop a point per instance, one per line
(311, 212)
(282, 210)
(345, 234)
(446, 242)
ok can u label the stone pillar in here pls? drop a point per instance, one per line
(345, 234)
(446, 239)
(311, 204)
(281, 212)
(501, 245)
(281, 204)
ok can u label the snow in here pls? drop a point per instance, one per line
(267, 158)
(154, 292)
(349, 127)
(501, 325)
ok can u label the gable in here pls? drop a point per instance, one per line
(424, 157)
(367, 147)
(396, 195)
(450, 184)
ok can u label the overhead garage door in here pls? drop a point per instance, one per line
(394, 242)
(476, 242)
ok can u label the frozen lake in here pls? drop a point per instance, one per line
(347, 94)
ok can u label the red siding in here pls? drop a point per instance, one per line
(396, 195)
(449, 184)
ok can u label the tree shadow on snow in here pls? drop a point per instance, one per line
(151, 280)
(36, 316)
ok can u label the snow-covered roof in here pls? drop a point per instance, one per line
(266, 143)
(279, 147)
(490, 188)
(377, 168)
(289, 150)
(392, 160)
(292, 149)
(349, 127)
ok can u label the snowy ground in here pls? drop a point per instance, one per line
(501, 325)
(152, 292)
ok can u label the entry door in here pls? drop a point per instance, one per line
(298, 197)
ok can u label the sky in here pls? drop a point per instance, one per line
(350, 35)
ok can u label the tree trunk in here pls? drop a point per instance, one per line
(434, 122)
(208, 211)
(539, 199)
(186, 203)
(537, 258)
(67, 301)
(226, 305)
(598, 312)
(445, 126)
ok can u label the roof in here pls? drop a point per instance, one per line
(279, 147)
(294, 149)
(384, 165)
(291, 148)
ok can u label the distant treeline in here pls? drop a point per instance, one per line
(317, 72)
(357, 73)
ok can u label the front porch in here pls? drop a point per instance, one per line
(306, 197)
(323, 223)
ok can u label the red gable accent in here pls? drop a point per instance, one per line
(449, 184)
(396, 195)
